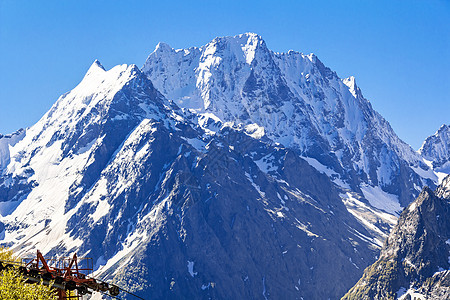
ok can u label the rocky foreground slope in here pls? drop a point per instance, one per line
(415, 260)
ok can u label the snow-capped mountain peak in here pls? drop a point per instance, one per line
(243, 46)
(66, 139)
(94, 98)
(106, 80)
(95, 64)
(351, 83)
(295, 98)
(162, 47)
(96, 70)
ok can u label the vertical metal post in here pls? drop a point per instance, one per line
(61, 294)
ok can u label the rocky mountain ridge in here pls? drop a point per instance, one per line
(299, 103)
(415, 260)
(436, 149)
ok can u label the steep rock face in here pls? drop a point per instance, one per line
(218, 226)
(7, 141)
(171, 209)
(298, 102)
(414, 261)
(61, 157)
(436, 149)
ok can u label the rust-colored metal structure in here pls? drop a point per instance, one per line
(69, 277)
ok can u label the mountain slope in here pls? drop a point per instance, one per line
(436, 149)
(260, 175)
(221, 227)
(415, 258)
(299, 103)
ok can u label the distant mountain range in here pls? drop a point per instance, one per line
(225, 171)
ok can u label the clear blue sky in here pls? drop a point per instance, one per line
(398, 50)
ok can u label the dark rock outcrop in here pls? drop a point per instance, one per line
(414, 261)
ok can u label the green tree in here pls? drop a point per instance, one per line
(13, 286)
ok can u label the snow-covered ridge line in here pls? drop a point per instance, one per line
(297, 101)
(51, 160)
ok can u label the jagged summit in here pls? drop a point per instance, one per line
(246, 44)
(95, 68)
(162, 48)
(250, 35)
(97, 76)
(95, 96)
(98, 64)
(300, 103)
(79, 128)
(351, 83)
(243, 38)
(436, 149)
(245, 47)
